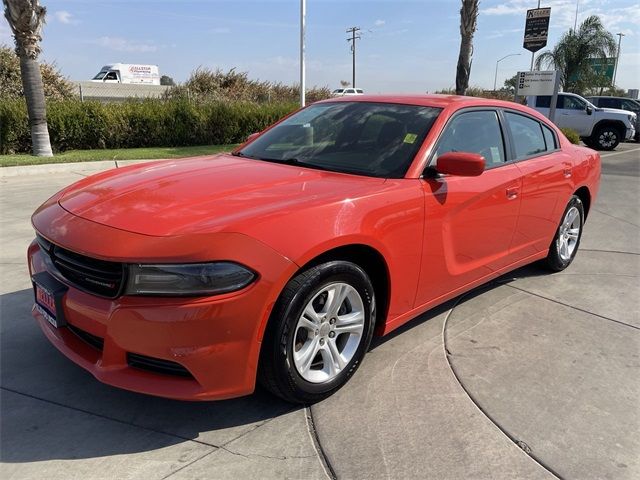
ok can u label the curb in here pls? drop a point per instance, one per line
(77, 167)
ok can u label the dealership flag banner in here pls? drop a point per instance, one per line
(536, 29)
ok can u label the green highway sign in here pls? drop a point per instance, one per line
(603, 66)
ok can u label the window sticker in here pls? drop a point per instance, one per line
(495, 155)
(410, 138)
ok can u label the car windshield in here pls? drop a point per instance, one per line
(362, 138)
(338, 90)
(100, 75)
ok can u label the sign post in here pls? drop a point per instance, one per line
(540, 83)
(536, 30)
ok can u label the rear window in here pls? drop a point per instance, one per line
(359, 90)
(527, 135)
(549, 138)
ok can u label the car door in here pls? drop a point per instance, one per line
(469, 221)
(573, 114)
(546, 182)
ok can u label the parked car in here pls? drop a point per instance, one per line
(620, 103)
(599, 128)
(340, 92)
(190, 279)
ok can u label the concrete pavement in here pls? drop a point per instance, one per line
(532, 376)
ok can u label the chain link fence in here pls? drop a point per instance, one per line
(117, 92)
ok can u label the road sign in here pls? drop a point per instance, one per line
(536, 83)
(536, 29)
(603, 66)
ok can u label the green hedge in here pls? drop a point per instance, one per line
(150, 123)
(571, 135)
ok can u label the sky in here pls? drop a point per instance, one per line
(406, 46)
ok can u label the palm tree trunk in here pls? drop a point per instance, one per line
(468, 23)
(36, 107)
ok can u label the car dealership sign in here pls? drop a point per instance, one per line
(536, 29)
(536, 83)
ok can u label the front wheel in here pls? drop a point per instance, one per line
(319, 332)
(606, 138)
(565, 244)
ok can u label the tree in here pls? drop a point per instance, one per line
(345, 83)
(510, 84)
(571, 54)
(56, 86)
(167, 80)
(26, 18)
(468, 24)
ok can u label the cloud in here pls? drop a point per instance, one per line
(379, 23)
(65, 17)
(563, 12)
(120, 44)
(220, 30)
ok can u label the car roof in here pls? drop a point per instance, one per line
(438, 101)
(609, 96)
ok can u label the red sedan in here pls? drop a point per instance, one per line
(192, 279)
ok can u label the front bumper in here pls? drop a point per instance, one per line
(631, 133)
(213, 342)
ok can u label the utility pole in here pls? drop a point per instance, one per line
(615, 68)
(354, 36)
(303, 19)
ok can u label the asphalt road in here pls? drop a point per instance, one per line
(532, 376)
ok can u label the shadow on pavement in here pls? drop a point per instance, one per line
(46, 398)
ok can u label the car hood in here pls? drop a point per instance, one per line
(206, 194)
(616, 111)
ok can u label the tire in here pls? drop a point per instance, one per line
(566, 241)
(308, 355)
(606, 137)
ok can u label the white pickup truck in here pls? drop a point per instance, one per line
(599, 128)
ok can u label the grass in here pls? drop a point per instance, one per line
(115, 154)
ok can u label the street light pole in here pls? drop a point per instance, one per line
(495, 78)
(615, 68)
(303, 15)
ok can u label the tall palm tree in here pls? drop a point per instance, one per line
(571, 54)
(468, 24)
(26, 18)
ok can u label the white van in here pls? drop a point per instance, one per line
(128, 73)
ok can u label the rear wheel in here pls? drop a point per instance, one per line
(319, 332)
(606, 137)
(565, 244)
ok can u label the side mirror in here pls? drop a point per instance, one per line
(462, 164)
(252, 136)
(589, 110)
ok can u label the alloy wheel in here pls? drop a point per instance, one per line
(569, 233)
(328, 332)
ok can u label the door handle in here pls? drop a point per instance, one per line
(567, 173)
(512, 193)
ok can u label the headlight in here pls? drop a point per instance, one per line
(632, 117)
(191, 279)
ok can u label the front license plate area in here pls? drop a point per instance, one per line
(48, 294)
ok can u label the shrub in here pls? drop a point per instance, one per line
(137, 123)
(54, 83)
(571, 135)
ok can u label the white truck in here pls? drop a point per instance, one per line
(128, 73)
(599, 128)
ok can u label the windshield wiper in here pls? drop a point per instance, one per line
(297, 162)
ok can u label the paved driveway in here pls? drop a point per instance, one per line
(532, 376)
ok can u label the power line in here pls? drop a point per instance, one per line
(354, 36)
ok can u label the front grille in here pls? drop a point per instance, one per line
(89, 274)
(93, 340)
(157, 365)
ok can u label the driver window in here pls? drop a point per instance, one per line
(474, 132)
(571, 103)
(111, 76)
